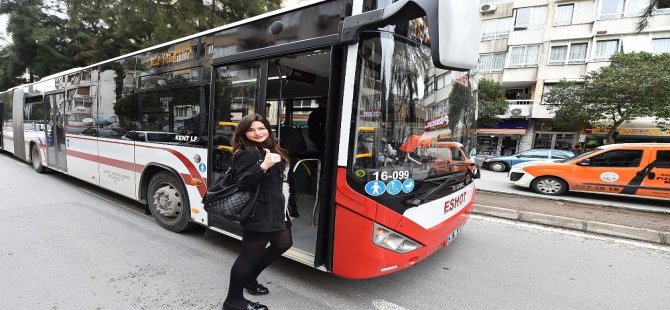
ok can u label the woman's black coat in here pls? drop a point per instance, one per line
(269, 213)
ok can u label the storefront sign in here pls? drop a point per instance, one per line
(633, 131)
(172, 57)
(438, 122)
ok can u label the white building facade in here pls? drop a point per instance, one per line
(530, 45)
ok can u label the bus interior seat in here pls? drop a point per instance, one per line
(223, 158)
(294, 142)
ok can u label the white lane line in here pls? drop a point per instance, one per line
(385, 305)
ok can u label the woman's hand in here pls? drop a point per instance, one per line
(270, 160)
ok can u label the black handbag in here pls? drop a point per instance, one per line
(226, 199)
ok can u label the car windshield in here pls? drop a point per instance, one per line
(580, 156)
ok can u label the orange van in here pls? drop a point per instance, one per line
(636, 169)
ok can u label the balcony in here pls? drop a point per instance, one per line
(519, 109)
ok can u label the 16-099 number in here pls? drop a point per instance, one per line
(385, 175)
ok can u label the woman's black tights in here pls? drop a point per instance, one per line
(254, 258)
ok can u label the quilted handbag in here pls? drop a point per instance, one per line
(226, 199)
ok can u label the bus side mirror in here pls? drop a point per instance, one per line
(453, 28)
(455, 40)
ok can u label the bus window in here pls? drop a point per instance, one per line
(395, 137)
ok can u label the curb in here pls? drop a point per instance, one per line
(566, 199)
(620, 231)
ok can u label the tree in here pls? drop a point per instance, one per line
(648, 11)
(634, 85)
(564, 99)
(52, 36)
(492, 102)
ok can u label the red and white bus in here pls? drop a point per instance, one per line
(155, 125)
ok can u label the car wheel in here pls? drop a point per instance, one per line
(168, 202)
(36, 160)
(498, 166)
(549, 186)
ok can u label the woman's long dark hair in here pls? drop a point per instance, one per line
(240, 140)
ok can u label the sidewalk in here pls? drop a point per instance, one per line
(606, 220)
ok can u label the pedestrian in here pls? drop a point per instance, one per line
(577, 149)
(270, 221)
(316, 122)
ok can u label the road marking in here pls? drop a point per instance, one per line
(577, 233)
(385, 305)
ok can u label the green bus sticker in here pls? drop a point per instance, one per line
(360, 173)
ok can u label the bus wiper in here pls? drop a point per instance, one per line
(420, 198)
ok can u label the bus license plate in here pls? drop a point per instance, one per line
(453, 234)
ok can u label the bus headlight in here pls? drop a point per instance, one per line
(389, 239)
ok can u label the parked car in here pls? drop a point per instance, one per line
(637, 169)
(503, 163)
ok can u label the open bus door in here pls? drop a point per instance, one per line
(55, 131)
(283, 89)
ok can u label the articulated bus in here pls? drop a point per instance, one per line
(155, 125)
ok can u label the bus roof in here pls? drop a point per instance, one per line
(190, 37)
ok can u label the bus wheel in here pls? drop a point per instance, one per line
(168, 203)
(37, 159)
(549, 186)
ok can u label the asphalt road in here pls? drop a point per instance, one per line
(67, 245)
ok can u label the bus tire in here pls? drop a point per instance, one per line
(36, 159)
(549, 185)
(168, 203)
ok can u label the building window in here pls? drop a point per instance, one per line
(492, 62)
(524, 56)
(574, 53)
(496, 28)
(430, 88)
(563, 14)
(612, 9)
(660, 46)
(605, 49)
(663, 7)
(530, 18)
(635, 7)
(442, 81)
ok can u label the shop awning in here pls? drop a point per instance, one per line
(500, 131)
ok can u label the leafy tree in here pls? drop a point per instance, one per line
(462, 107)
(492, 102)
(52, 36)
(634, 85)
(648, 11)
(565, 100)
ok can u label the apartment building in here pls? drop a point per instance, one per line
(530, 45)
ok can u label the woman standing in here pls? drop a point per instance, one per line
(258, 159)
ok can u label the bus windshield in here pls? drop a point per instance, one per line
(413, 122)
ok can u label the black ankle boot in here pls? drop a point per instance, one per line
(258, 289)
(249, 306)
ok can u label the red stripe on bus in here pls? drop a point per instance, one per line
(193, 171)
(107, 161)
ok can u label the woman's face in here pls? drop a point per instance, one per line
(257, 132)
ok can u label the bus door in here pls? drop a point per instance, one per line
(297, 97)
(286, 90)
(55, 131)
(237, 91)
